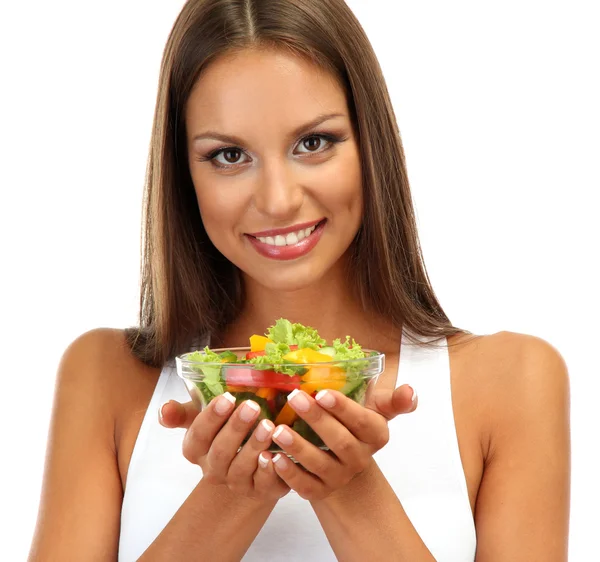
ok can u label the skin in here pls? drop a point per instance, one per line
(510, 392)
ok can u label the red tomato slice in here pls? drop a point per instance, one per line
(261, 378)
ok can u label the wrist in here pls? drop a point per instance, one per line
(222, 494)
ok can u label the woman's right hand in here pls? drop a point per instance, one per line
(213, 438)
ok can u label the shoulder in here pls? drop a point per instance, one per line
(514, 392)
(513, 378)
(100, 362)
(102, 351)
(520, 364)
(510, 358)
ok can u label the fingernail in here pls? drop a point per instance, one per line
(414, 394)
(280, 461)
(264, 430)
(299, 400)
(325, 399)
(224, 403)
(283, 436)
(263, 461)
(249, 410)
(160, 412)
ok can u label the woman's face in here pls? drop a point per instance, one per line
(272, 154)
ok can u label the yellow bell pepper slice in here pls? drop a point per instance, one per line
(306, 355)
(287, 415)
(258, 343)
(318, 378)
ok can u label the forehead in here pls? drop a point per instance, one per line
(253, 90)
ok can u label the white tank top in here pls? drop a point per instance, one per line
(421, 462)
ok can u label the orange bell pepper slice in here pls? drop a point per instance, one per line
(267, 393)
(287, 415)
(231, 388)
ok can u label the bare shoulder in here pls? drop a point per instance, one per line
(96, 375)
(504, 373)
(507, 362)
(101, 363)
(102, 358)
(511, 405)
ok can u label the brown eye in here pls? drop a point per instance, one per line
(231, 155)
(312, 143)
(225, 157)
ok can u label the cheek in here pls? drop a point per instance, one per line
(342, 188)
(215, 196)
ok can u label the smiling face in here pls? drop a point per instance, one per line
(271, 148)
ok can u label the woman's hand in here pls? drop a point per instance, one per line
(352, 432)
(213, 438)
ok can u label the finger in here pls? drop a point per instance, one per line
(174, 414)
(206, 426)
(345, 434)
(390, 404)
(266, 478)
(228, 440)
(362, 422)
(304, 483)
(317, 461)
(243, 465)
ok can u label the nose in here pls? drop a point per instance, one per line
(278, 195)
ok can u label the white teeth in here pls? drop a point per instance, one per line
(290, 239)
(287, 240)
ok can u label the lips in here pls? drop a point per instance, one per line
(283, 231)
(288, 246)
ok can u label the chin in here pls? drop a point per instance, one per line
(286, 279)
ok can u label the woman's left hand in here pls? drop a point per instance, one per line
(352, 432)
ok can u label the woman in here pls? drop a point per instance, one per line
(277, 187)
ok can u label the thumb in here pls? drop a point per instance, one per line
(174, 414)
(389, 404)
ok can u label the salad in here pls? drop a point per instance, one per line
(288, 356)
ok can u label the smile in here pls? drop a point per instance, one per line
(287, 245)
(288, 239)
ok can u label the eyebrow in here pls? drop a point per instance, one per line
(295, 133)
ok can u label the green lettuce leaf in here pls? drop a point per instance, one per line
(274, 353)
(212, 373)
(343, 350)
(283, 331)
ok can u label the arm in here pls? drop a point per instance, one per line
(80, 506)
(213, 519)
(522, 508)
(354, 519)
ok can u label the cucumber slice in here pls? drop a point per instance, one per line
(328, 351)
(358, 394)
(351, 385)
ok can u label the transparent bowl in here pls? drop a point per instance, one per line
(269, 388)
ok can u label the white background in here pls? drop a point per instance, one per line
(498, 108)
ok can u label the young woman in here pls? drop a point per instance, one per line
(277, 187)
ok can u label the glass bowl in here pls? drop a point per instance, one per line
(269, 387)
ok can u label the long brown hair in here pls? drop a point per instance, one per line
(188, 288)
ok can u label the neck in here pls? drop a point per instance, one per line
(329, 306)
